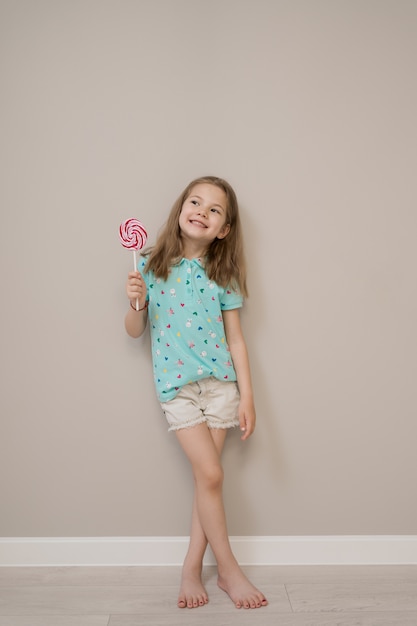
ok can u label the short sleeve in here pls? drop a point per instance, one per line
(230, 299)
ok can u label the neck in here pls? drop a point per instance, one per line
(193, 252)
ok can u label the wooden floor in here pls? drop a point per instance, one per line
(136, 596)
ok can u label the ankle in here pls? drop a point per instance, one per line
(192, 567)
(228, 569)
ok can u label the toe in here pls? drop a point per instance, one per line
(261, 601)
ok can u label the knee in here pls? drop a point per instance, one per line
(211, 477)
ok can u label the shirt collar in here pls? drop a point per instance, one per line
(197, 261)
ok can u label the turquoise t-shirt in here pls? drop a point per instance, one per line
(187, 332)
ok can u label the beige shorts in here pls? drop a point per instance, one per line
(209, 401)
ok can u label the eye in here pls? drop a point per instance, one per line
(195, 202)
(215, 210)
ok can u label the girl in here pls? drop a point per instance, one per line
(191, 285)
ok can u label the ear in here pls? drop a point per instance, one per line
(224, 231)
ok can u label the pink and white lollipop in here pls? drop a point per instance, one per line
(133, 236)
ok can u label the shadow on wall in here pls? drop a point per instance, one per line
(260, 459)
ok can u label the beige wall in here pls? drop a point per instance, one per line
(308, 107)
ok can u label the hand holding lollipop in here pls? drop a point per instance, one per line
(133, 236)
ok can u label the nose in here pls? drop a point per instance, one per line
(202, 211)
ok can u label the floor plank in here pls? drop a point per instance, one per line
(263, 617)
(353, 597)
(90, 576)
(82, 600)
(56, 620)
(76, 600)
(131, 575)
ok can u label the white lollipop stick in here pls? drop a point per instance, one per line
(135, 267)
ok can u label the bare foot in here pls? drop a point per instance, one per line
(241, 591)
(192, 592)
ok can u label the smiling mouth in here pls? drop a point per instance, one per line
(197, 223)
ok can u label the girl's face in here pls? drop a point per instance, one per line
(203, 216)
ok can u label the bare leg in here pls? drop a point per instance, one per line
(201, 451)
(192, 592)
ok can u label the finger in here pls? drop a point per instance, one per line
(135, 275)
(245, 435)
(243, 426)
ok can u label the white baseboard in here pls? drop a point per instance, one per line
(316, 550)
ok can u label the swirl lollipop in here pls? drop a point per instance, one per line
(133, 236)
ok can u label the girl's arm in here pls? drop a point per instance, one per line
(135, 321)
(240, 358)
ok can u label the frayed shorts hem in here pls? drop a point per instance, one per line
(191, 424)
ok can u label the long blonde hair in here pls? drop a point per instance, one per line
(225, 259)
